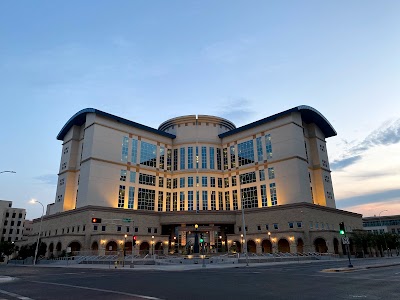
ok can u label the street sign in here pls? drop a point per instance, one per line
(126, 220)
(345, 241)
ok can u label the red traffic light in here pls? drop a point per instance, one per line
(134, 237)
(96, 220)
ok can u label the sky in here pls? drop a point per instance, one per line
(149, 61)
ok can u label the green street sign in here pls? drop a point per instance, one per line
(126, 220)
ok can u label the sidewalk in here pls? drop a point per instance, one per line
(388, 262)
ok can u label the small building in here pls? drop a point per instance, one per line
(382, 224)
(11, 222)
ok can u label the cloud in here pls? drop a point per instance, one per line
(373, 209)
(50, 179)
(371, 198)
(387, 134)
(236, 110)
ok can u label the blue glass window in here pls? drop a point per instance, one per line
(204, 157)
(124, 152)
(197, 200)
(162, 157)
(260, 155)
(134, 151)
(190, 181)
(268, 145)
(182, 182)
(271, 173)
(131, 197)
(148, 155)
(204, 181)
(249, 196)
(262, 174)
(197, 157)
(132, 176)
(123, 175)
(190, 157)
(232, 154)
(182, 158)
(212, 164)
(246, 153)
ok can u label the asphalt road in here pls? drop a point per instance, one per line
(294, 281)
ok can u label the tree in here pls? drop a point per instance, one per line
(6, 249)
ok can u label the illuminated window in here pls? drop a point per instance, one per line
(146, 199)
(121, 196)
(248, 177)
(175, 201)
(225, 154)
(182, 200)
(168, 202)
(234, 183)
(271, 173)
(249, 196)
(246, 153)
(268, 145)
(264, 201)
(235, 200)
(227, 201)
(161, 181)
(160, 200)
(262, 174)
(147, 179)
(232, 155)
(169, 159)
(220, 201)
(169, 183)
(162, 157)
(148, 156)
(272, 189)
(124, 152)
(134, 151)
(175, 159)
(219, 162)
(131, 197)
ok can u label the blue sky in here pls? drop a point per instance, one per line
(150, 61)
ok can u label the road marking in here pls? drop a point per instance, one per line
(98, 290)
(358, 296)
(15, 295)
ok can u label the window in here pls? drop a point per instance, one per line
(233, 157)
(127, 229)
(204, 181)
(226, 182)
(212, 181)
(19, 223)
(148, 156)
(190, 181)
(225, 154)
(147, 179)
(234, 183)
(103, 228)
(220, 182)
(182, 158)
(212, 164)
(175, 201)
(311, 224)
(162, 157)
(190, 200)
(219, 163)
(134, 151)
(268, 145)
(148, 229)
(169, 183)
(299, 224)
(175, 183)
(182, 200)
(227, 201)
(249, 196)
(132, 177)
(146, 199)
(124, 151)
(7, 214)
(205, 200)
(182, 182)
(175, 159)
(264, 201)
(272, 189)
(204, 157)
(213, 201)
(168, 202)
(118, 228)
(121, 196)
(248, 177)
(220, 201)
(190, 157)
(197, 157)
(13, 215)
(155, 230)
(246, 153)
(136, 229)
(160, 200)
(262, 174)
(260, 156)
(235, 199)
(271, 173)
(266, 226)
(123, 175)
(290, 224)
(276, 226)
(259, 227)
(161, 181)
(131, 197)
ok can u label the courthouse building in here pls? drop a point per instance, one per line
(157, 184)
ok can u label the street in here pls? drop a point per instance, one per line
(284, 281)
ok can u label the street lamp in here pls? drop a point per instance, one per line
(152, 245)
(33, 201)
(175, 244)
(220, 240)
(123, 262)
(269, 237)
(380, 221)
(241, 242)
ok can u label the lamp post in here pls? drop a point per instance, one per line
(174, 244)
(33, 201)
(269, 238)
(123, 262)
(196, 240)
(219, 241)
(152, 245)
(380, 221)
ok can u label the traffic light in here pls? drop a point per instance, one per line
(96, 220)
(341, 228)
(201, 238)
(134, 240)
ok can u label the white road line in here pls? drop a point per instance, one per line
(15, 295)
(99, 290)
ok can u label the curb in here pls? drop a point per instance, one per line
(347, 269)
